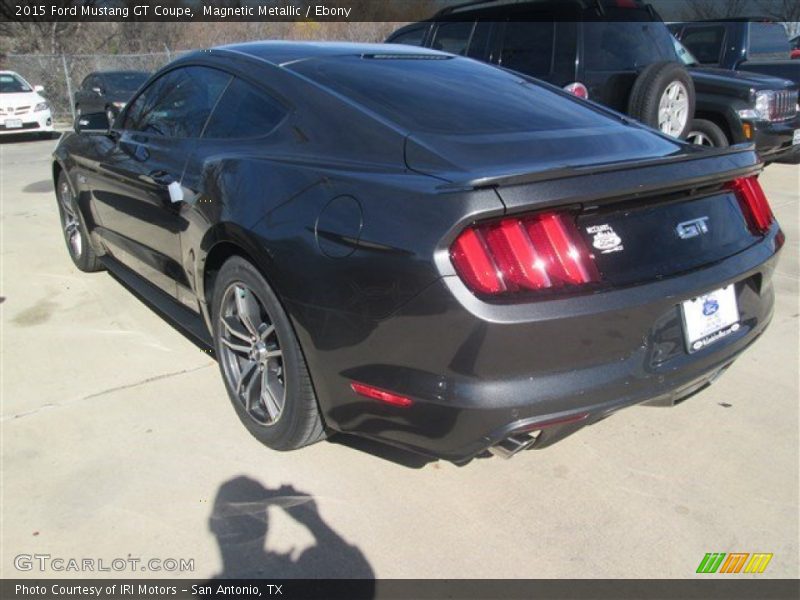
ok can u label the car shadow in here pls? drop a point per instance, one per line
(239, 521)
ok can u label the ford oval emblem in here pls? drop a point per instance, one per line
(710, 306)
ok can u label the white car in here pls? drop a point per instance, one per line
(22, 108)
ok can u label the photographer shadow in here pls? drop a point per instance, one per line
(240, 521)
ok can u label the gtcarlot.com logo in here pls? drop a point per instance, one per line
(47, 562)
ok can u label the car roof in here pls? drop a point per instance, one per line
(281, 53)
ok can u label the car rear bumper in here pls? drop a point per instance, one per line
(774, 140)
(479, 373)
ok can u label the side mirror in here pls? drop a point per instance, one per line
(93, 124)
(38, 89)
(98, 91)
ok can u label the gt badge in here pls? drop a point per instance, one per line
(605, 238)
(693, 228)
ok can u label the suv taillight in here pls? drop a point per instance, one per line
(515, 254)
(753, 203)
(576, 88)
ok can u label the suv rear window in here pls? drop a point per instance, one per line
(449, 95)
(625, 46)
(768, 41)
(705, 42)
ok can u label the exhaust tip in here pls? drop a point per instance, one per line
(515, 444)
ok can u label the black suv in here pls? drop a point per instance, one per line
(618, 54)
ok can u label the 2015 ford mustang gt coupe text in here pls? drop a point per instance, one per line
(419, 248)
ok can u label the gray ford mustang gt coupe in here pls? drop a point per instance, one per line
(419, 248)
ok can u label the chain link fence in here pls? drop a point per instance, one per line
(61, 74)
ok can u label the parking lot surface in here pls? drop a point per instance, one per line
(118, 441)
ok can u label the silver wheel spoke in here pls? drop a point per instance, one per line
(270, 395)
(251, 391)
(234, 328)
(235, 347)
(267, 332)
(247, 309)
(250, 368)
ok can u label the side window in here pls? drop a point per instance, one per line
(528, 47)
(453, 37)
(768, 41)
(410, 37)
(705, 42)
(178, 103)
(244, 111)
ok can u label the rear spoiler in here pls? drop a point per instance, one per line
(705, 166)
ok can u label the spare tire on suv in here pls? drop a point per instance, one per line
(663, 98)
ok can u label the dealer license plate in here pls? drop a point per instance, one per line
(13, 123)
(710, 318)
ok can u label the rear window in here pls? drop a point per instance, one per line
(705, 42)
(625, 46)
(768, 41)
(449, 95)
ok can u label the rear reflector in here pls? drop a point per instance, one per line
(753, 203)
(523, 253)
(368, 391)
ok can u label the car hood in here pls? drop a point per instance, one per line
(20, 99)
(738, 79)
(489, 156)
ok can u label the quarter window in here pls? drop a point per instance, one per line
(244, 112)
(178, 103)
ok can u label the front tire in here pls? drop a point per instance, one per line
(77, 240)
(261, 362)
(706, 133)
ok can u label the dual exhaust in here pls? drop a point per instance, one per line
(515, 444)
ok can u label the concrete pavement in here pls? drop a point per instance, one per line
(118, 437)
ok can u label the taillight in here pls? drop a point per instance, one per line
(753, 203)
(577, 89)
(516, 254)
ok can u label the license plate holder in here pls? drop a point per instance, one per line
(710, 318)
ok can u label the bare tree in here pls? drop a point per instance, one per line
(701, 10)
(786, 11)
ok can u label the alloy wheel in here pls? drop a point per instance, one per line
(251, 355)
(69, 220)
(699, 138)
(673, 109)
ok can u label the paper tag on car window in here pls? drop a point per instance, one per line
(175, 192)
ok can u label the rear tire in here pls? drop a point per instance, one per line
(75, 235)
(663, 97)
(706, 133)
(261, 362)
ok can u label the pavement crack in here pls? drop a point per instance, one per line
(118, 388)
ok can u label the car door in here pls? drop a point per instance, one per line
(136, 187)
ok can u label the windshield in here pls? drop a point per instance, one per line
(127, 82)
(12, 84)
(683, 53)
